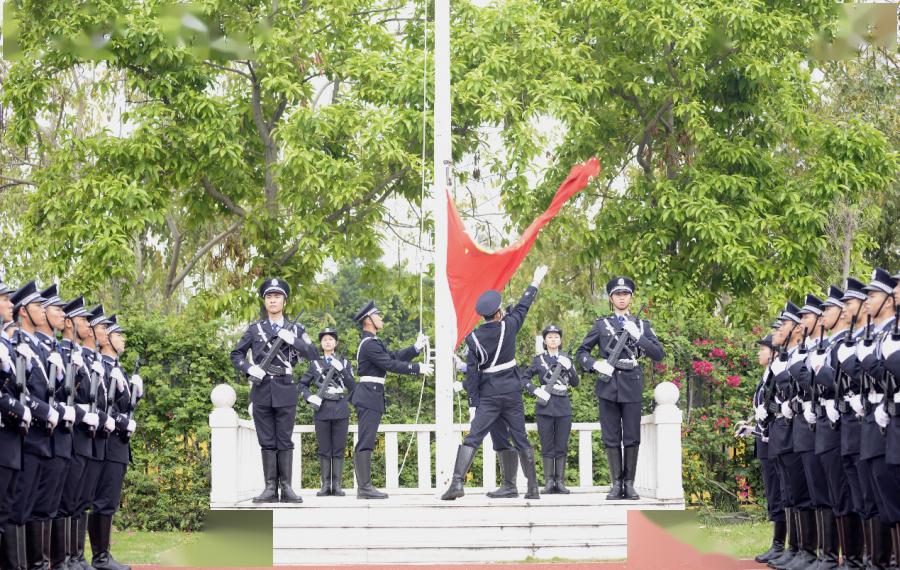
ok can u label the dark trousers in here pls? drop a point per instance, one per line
(274, 426)
(50, 488)
(816, 481)
(838, 488)
(774, 499)
(507, 407)
(7, 491)
(851, 473)
(793, 481)
(368, 422)
(25, 493)
(332, 437)
(500, 439)
(887, 489)
(867, 486)
(71, 494)
(620, 423)
(92, 471)
(108, 492)
(554, 433)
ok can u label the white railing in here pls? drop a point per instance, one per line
(237, 475)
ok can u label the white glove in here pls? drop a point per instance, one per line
(137, 384)
(539, 275)
(457, 386)
(542, 394)
(337, 364)
(786, 410)
(566, 363)
(119, 377)
(53, 418)
(91, 419)
(460, 363)
(4, 352)
(604, 367)
(26, 417)
(856, 404)
(56, 360)
(257, 372)
(287, 336)
(881, 416)
(77, 359)
(69, 415)
(421, 342)
(25, 350)
(132, 425)
(98, 368)
(632, 329)
(831, 411)
(110, 424)
(315, 400)
(808, 414)
(426, 369)
(250, 409)
(761, 412)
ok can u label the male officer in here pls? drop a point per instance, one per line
(374, 361)
(492, 359)
(619, 384)
(887, 415)
(273, 394)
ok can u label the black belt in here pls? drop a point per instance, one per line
(277, 371)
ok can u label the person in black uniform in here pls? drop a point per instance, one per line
(332, 415)
(492, 360)
(887, 416)
(374, 361)
(619, 385)
(553, 412)
(273, 394)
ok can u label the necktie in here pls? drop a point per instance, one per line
(328, 360)
(275, 327)
(621, 320)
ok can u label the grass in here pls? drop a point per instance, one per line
(740, 540)
(138, 547)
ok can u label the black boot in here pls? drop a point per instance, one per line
(509, 469)
(526, 458)
(270, 474)
(549, 475)
(851, 541)
(100, 530)
(806, 556)
(14, 554)
(779, 533)
(362, 462)
(337, 473)
(464, 457)
(77, 534)
(881, 544)
(46, 532)
(828, 557)
(614, 458)
(34, 545)
(59, 541)
(561, 476)
(628, 472)
(895, 539)
(793, 541)
(285, 459)
(325, 468)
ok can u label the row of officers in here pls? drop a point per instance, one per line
(270, 351)
(66, 420)
(828, 431)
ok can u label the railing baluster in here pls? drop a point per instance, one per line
(423, 451)
(585, 458)
(391, 460)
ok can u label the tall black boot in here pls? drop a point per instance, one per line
(46, 532)
(895, 540)
(561, 476)
(285, 459)
(34, 545)
(100, 530)
(270, 474)
(526, 458)
(806, 556)
(614, 458)
(828, 558)
(628, 473)
(549, 475)
(779, 533)
(14, 547)
(881, 544)
(362, 462)
(509, 469)
(337, 473)
(59, 540)
(464, 457)
(325, 468)
(793, 541)
(77, 534)
(852, 541)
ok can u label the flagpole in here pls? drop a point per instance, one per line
(444, 314)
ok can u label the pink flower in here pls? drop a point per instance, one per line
(677, 382)
(702, 367)
(703, 418)
(660, 367)
(717, 353)
(722, 422)
(734, 381)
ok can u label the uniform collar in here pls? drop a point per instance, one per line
(553, 354)
(368, 334)
(279, 323)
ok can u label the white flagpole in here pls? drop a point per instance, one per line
(444, 315)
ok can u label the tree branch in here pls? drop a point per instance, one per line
(176, 254)
(225, 200)
(243, 74)
(203, 251)
(15, 182)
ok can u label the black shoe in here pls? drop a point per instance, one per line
(59, 537)
(614, 458)
(337, 473)
(362, 462)
(806, 556)
(464, 457)
(526, 458)
(325, 468)
(561, 476)
(14, 554)
(270, 475)
(779, 533)
(628, 473)
(285, 459)
(549, 475)
(100, 530)
(509, 469)
(881, 543)
(793, 540)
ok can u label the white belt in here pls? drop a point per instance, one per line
(829, 401)
(372, 379)
(499, 367)
(85, 407)
(847, 398)
(876, 398)
(897, 397)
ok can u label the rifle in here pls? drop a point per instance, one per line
(51, 398)
(867, 381)
(617, 349)
(274, 350)
(328, 381)
(551, 378)
(842, 379)
(768, 399)
(134, 399)
(21, 381)
(890, 380)
(70, 386)
(796, 404)
(818, 389)
(95, 386)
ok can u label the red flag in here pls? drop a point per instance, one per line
(471, 269)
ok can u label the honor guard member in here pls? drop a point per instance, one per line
(492, 359)
(620, 384)
(888, 414)
(879, 306)
(15, 419)
(374, 361)
(273, 394)
(553, 411)
(71, 507)
(332, 377)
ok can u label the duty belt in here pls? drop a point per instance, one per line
(372, 379)
(875, 398)
(499, 367)
(558, 390)
(625, 364)
(273, 370)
